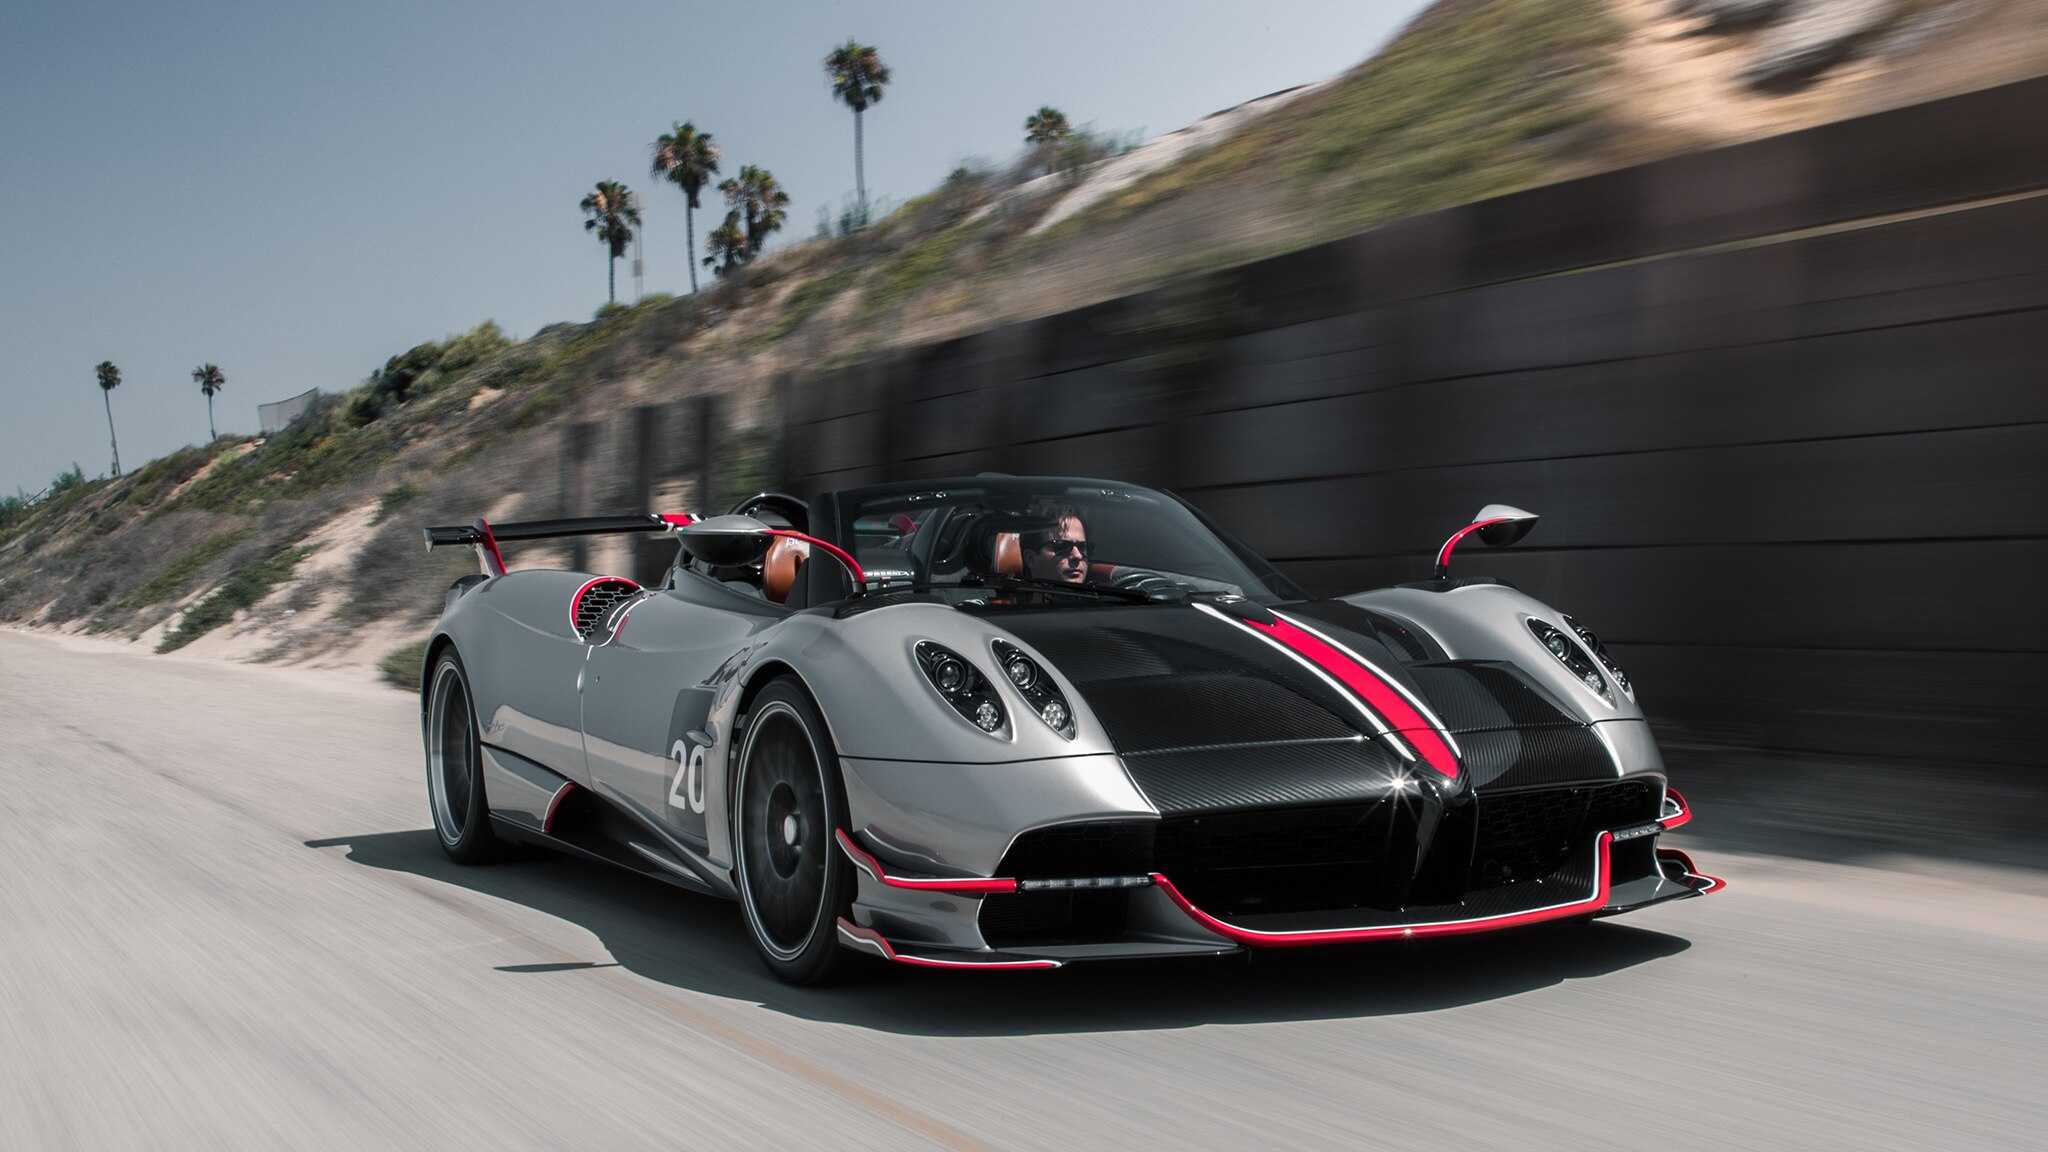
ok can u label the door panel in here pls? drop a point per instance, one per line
(524, 665)
(647, 728)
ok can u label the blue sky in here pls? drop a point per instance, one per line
(296, 191)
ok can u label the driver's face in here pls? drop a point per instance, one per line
(1063, 555)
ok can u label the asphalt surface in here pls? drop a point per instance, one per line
(224, 923)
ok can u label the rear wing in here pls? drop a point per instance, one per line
(482, 536)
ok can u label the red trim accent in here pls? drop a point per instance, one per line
(576, 601)
(1715, 883)
(547, 822)
(840, 554)
(496, 559)
(1258, 939)
(1382, 697)
(971, 886)
(1684, 816)
(679, 519)
(888, 952)
(1443, 554)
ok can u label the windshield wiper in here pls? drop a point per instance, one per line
(1041, 584)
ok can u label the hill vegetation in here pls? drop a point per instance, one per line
(304, 544)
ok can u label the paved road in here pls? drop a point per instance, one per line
(224, 924)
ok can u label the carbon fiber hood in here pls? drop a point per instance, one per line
(1206, 715)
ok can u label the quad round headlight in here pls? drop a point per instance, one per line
(1035, 686)
(963, 689)
(1600, 653)
(1569, 654)
(988, 715)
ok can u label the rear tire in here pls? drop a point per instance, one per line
(794, 883)
(455, 776)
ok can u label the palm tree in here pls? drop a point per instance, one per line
(210, 380)
(726, 246)
(110, 379)
(1043, 131)
(687, 158)
(857, 74)
(759, 201)
(612, 213)
(1046, 125)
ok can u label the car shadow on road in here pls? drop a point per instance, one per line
(697, 943)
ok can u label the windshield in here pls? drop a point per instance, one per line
(1053, 534)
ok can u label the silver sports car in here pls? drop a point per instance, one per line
(1010, 722)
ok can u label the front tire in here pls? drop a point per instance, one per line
(455, 768)
(794, 885)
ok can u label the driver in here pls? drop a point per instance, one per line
(1058, 551)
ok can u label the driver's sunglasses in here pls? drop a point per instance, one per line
(1061, 548)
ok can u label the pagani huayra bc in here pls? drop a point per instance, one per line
(1012, 723)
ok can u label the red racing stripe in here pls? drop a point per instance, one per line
(1378, 695)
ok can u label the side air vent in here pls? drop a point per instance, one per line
(595, 600)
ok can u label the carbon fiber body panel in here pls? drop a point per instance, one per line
(1271, 775)
(1524, 757)
(1476, 695)
(1207, 709)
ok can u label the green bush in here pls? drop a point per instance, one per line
(806, 301)
(155, 480)
(545, 401)
(913, 269)
(392, 500)
(365, 405)
(318, 449)
(239, 591)
(66, 482)
(484, 340)
(178, 574)
(401, 666)
(394, 381)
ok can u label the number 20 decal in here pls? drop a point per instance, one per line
(687, 789)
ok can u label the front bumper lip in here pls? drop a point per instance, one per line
(957, 886)
(1676, 878)
(874, 943)
(1677, 813)
(1585, 905)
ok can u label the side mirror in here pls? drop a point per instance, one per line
(1498, 526)
(724, 541)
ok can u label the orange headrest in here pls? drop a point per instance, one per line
(779, 567)
(1008, 559)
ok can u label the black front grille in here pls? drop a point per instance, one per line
(1327, 857)
(598, 600)
(1099, 848)
(1286, 859)
(1529, 834)
(1258, 860)
(1011, 919)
